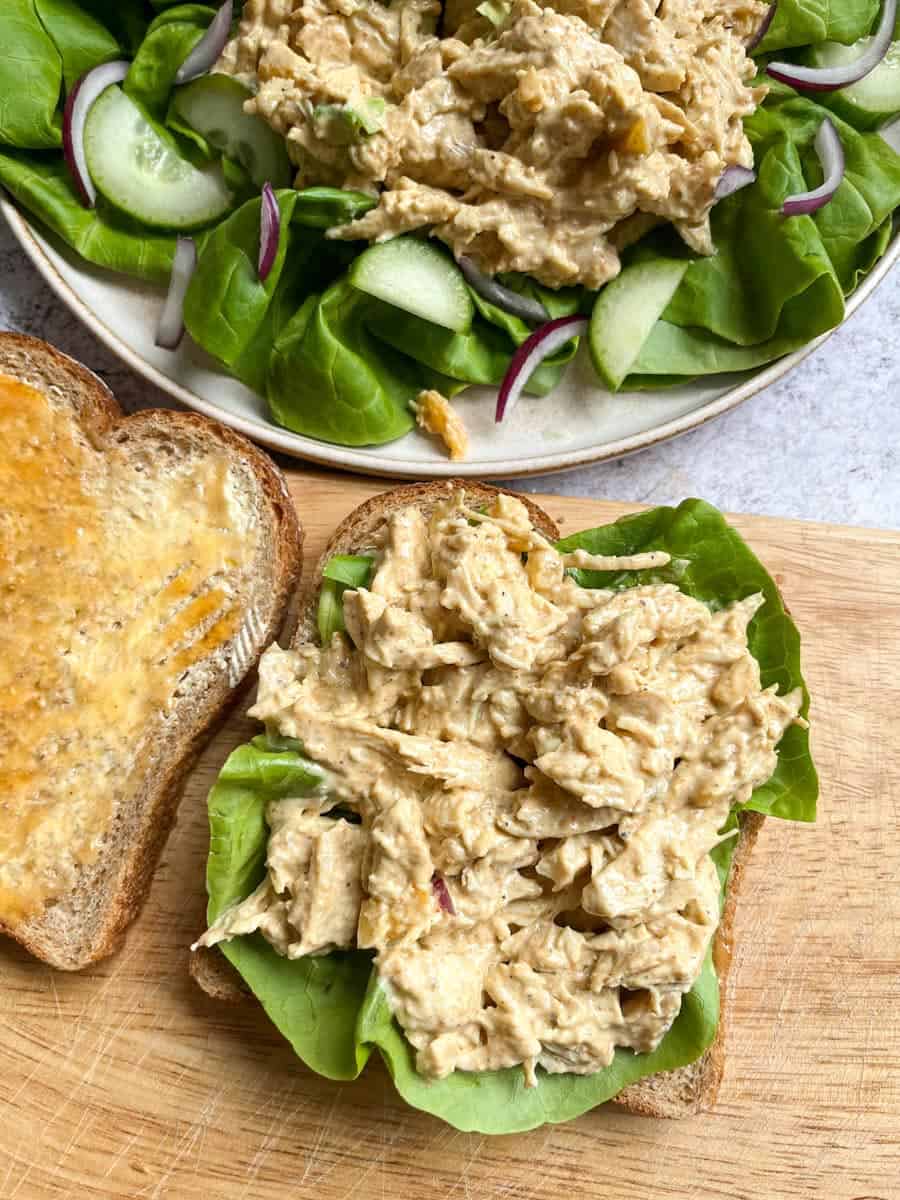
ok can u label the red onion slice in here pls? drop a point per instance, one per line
(170, 330)
(831, 155)
(542, 343)
(732, 180)
(502, 297)
(208, 50)
(269, 231)
(763, 29)
(79, 102)
(829, 79)
(442, 894)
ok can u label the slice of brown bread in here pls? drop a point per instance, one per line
(677, 1093)
(127, 648)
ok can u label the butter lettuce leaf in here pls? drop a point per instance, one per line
(807, 22)
(713, 563)
(227, 302)
(313, 1002)
(168, 41)
(81, 40)
(237, 317)
(126, 20)
(483, 355)
(341, 572)
(30, 79)
(868, 194)
(43, 186)
(333, 1010)
(330, 378)
(498, 1102)
(775, 284)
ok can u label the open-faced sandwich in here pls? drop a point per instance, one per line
(496, 824)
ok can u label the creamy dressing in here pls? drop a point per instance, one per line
(545, 145)
(559, 759)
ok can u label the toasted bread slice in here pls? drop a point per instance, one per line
(146, 563)
(667, 1094)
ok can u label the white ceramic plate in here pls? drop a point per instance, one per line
(579, 423)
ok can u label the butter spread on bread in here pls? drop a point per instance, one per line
(104, 611)
(128, 562)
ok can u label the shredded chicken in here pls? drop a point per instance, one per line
(560, 759)
(544, 145)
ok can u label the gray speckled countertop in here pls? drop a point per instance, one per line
(823, 444)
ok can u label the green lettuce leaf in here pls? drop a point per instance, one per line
(712, 562)
(325, 207)
(329, 378)
(43, 187)
(81, 40)
(870, 190)
(341, 572)
(775, 283)
(352, 570)
(560, 303)
(30, 79)
(333, 1010)
(314, 1002)
(481, 356)
(228, 310)
(806, 22)
(169, 40)
(234, 315)
(498, 1102)
(264, 769)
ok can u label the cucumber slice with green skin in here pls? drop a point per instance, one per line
(625, 312)
(214, 107)
(872, 100)
(417, 277)
(140, 172)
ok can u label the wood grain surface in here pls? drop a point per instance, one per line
(125, 1081)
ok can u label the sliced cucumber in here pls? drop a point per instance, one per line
(214, 107)
(874, 98)
(625, 312)
(139, 171)
(417, 277)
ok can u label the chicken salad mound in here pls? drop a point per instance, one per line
(522, 781)
(542, 139)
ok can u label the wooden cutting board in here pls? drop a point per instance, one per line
(125, 1081)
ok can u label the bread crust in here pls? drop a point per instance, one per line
(695, 1088)
(357, 530)
(669, 1094)
(88, 923)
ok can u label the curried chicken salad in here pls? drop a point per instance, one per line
(540, 146)
(521, 781)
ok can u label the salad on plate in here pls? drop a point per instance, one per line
(361, 208)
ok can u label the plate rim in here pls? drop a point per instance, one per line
(382, 465)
